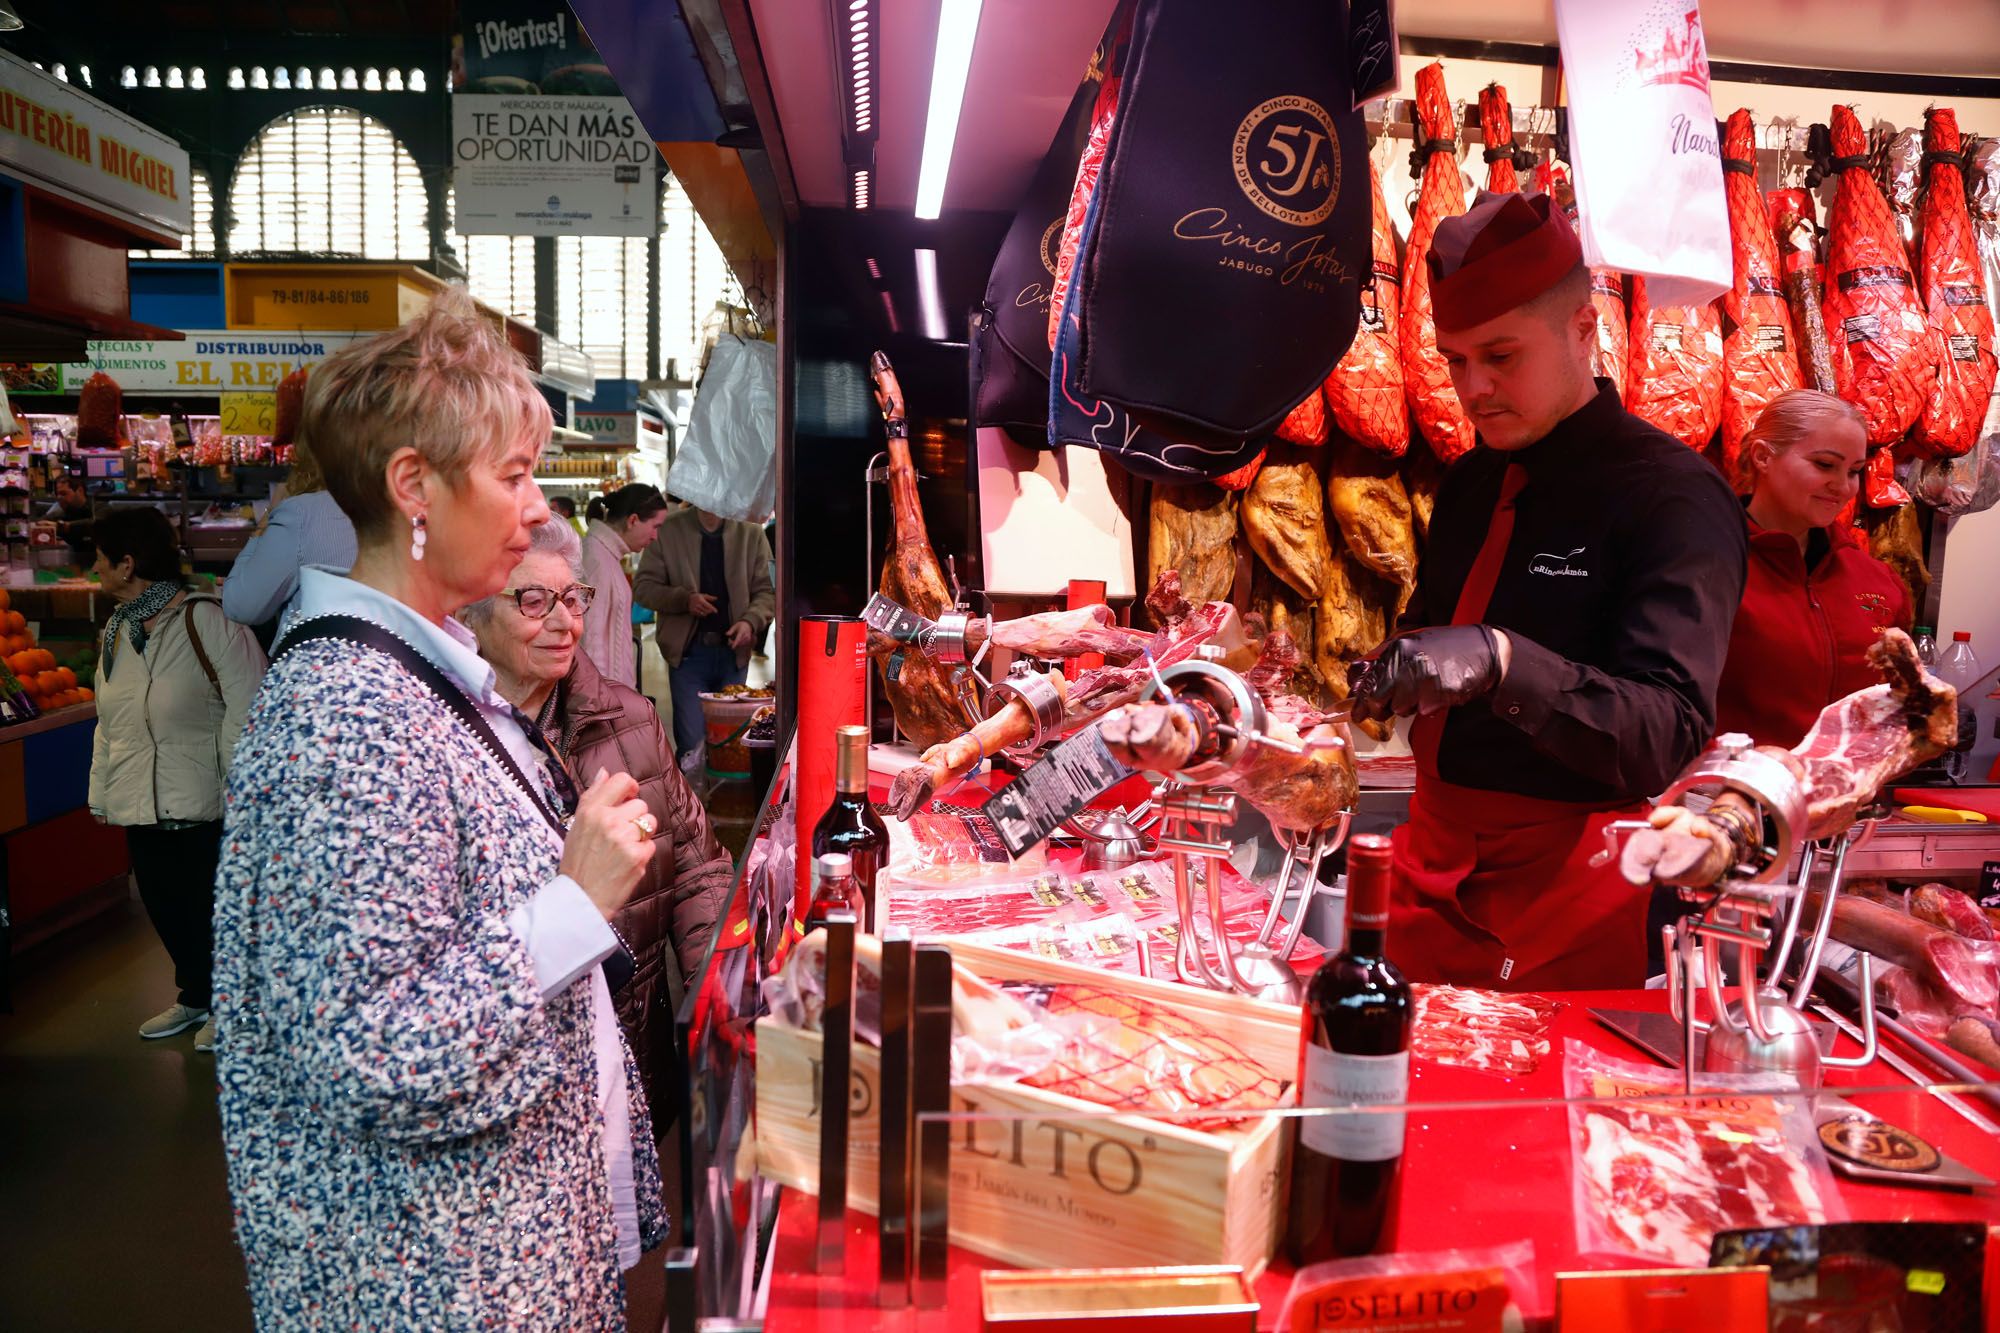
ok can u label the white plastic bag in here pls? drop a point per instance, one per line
(1642, 130)
(727, 462)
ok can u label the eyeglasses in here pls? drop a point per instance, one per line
(536, 602)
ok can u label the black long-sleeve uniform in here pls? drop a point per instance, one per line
(1619, 588)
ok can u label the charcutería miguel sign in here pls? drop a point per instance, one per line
(61, 137)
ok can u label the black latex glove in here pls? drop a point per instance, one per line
(1424, 672)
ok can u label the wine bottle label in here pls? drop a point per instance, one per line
(1334, 1079)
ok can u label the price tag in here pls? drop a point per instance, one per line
(1925, 1281)
(1989, 884)
(249, 413)
(1034, 805)
(898, 622)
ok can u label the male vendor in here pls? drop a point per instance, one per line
(1570, 623)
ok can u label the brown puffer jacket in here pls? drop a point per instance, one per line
(673, 912)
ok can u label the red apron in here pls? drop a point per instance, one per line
(1495, 889)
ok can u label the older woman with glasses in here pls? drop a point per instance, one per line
(530, 632)
(430, 1115)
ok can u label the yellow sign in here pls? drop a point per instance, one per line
(249, 413)
(324, 296)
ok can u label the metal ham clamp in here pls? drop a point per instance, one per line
(1220, 734)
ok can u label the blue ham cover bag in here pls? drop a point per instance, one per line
(1218, 275)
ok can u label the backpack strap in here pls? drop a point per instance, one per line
(194, 640)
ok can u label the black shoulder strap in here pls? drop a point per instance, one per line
(353, 629)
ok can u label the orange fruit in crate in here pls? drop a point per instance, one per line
(5, 600)
(87, 693)
(16, 621)
(66, 677)
(44, 659)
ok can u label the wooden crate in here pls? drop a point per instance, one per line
(1041, 1188)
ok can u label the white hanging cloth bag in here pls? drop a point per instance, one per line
(727, 461)
(1644, 145)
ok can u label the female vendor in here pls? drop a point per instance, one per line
(1811, 604)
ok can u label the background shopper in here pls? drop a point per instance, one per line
(308, 527)
(174, 679)
(632, 515)
(530, 632)
(709, 578)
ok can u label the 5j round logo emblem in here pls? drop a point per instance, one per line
(1051, 247)
(1287, 161)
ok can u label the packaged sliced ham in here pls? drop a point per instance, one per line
(1795, 229)
(1884, 360)
(1759, 350)
(1364, 394)
(1481, 1029)
(1447, 1291)
(99, 406)
(1426, 381)
(1657, 1175)
(1948, 275)
(1675, 376)
(1306, 423)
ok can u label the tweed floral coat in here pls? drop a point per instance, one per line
(412, 1131)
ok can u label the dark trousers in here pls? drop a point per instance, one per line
(704, 667)
(176, 873)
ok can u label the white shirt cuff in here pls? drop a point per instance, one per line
(564, 932)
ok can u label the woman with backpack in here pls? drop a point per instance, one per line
(175, 677)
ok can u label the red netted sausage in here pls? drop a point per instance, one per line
(1364, 394)
(1883, 357)
(1759, 348)
(1426, 380)
(1952, 291)
(291, 403)
(100, 404)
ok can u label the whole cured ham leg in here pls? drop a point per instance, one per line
(1675, 376)
(1284, 518)
(1369, 504)
(1759, 349)
(1047, 635)
(1426, 380)
(1193, 531)
(1859, 745)
(1884, 356)
(1364, 394)
(927, 711)
(1959, 315)
(1496, 126)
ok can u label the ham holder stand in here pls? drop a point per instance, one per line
(1765, 1028)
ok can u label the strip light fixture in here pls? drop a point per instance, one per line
(857, 41)
(958, 25)
(929, 304)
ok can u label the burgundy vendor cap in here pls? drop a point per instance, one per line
(1503, 252)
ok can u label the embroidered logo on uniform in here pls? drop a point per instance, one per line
(1558, 566)
(1874, 603)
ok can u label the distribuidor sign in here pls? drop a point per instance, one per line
(203, 365)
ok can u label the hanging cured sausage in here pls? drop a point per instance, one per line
(1496, 125)
(1675, 377)
(1759, 350)
(1426, 381)
(1952, 291)
(1364, 394)
(1796, 231)
(99, 405)
(1883, 357)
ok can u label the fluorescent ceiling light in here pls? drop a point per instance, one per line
(958, 24)
(929, 305)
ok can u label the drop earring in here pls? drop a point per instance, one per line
(418, 536)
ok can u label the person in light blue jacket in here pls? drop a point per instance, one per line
(308, 527)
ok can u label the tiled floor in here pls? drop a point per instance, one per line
(114, 1209)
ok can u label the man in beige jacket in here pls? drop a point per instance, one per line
(709, 581)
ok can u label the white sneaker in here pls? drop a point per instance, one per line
(171, 1021)
(204, 1040)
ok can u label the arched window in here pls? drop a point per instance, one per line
(200, 242)
(329, 180)
(603, 301)
(693, 278)
(499, 270)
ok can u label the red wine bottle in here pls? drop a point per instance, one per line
(1356, 1051)
(850, 824)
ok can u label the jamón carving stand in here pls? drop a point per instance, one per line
(1193, 811)
(1764, 1028)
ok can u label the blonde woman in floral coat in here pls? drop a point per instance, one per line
(431, 1118)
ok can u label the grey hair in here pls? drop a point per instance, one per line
(555, 537)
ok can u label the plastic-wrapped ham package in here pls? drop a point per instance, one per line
(1675, 377)
(1656, 1175)
(1402, 1292)
(1103, 116)
(1884, 352)
(1482, 1029)
(1364, 394)
(100, 405)
(1426, 380)
(1306, 423)
(1759, 349)
(1613, 358)
(1948, 275)
(1496, 125)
